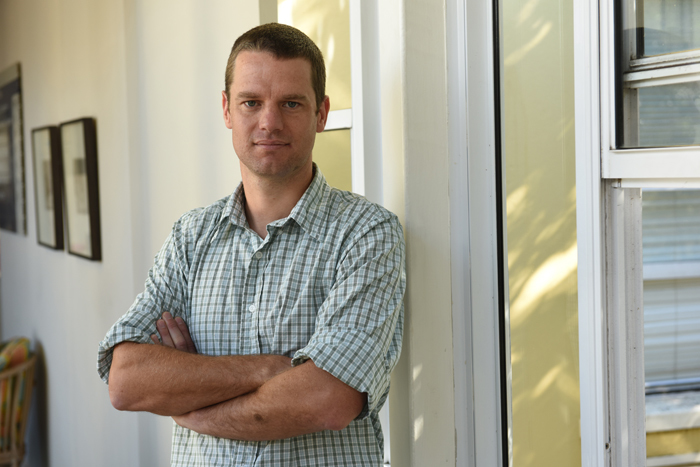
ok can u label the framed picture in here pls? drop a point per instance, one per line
(79, 154)
(48, 180)
(12, 202)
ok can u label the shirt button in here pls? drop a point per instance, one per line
(252, 308)
(258, 255)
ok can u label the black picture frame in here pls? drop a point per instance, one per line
(80, 188)
(48, 186)
(13, 213)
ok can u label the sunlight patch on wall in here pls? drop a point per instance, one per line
(545, 279)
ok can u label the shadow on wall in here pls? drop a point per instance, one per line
(37, 436)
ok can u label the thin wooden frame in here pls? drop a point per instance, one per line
(80, 188)
(48, 183)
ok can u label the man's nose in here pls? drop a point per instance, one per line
(271, 119)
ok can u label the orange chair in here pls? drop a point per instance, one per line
(15, 397)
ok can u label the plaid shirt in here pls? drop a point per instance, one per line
(326, 284)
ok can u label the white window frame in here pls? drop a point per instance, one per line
(608, 183)
(637, 168)
(475, 301)
(365, 138)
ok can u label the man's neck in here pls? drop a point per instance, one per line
(269, 200)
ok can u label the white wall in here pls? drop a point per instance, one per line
(416, 175)
(151, 73)
(62, 302)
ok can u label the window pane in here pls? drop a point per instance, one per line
(671, 226)
(670, 25)
(659, 97)
(671, 251)
(671, 329)
(669, 115)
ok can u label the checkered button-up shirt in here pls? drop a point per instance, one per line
(326, 284)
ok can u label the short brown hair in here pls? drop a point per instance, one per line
(282, 41)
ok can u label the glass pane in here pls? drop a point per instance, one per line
(659, 101)
(671, 329)
(668, 116)
(671, 226)
(332, 155)
(671, 252)
(670, 25)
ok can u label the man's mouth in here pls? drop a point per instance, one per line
(270, 143)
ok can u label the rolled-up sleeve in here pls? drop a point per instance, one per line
(165, 290)
(359, 326)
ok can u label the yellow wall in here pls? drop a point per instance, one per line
(538, 119)
(332, 154)
(667, 443)
(327, 23)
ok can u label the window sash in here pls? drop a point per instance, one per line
(639, 167)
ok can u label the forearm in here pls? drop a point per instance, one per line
(303, 400)
(167, 381)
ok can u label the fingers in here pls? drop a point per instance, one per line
(174, 333)
(189, 344)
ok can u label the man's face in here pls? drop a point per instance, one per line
(272, 112)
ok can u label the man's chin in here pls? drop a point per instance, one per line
(273, 170)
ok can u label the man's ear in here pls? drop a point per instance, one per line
(322, 116)
(227, 110)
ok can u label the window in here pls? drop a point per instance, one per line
(651, 91)
(671, 251)
(637, 128)
(660, 74)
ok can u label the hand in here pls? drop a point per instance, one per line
(173, 333)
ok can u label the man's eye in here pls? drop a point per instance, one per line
(249, 103)
(292, 105)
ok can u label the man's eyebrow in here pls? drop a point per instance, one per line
(246, 95)
(286, 97)
(295, 97)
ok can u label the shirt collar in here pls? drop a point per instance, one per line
(234, 209)
(308, 212)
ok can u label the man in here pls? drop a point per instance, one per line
(280, 307)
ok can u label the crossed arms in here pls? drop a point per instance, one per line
(244, 397)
